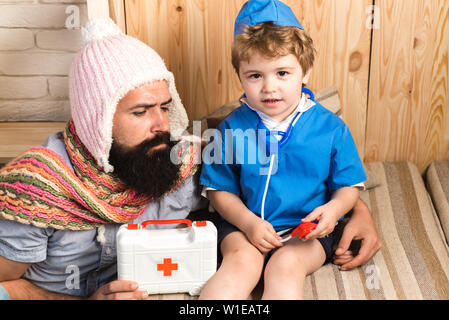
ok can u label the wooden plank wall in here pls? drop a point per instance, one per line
(393, 79)
(408, 110)
(194, 37)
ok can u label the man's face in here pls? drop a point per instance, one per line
(141, 114)
(140, 152)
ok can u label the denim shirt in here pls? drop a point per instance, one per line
(75, 262)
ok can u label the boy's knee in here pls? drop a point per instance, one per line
(284, 262)
(245, 260)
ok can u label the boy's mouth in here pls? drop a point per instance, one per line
(271, 101)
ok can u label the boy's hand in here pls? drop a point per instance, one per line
(327, 218)
(262, 235)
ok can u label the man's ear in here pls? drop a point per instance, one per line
(306, 77)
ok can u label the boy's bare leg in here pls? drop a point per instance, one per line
(288, 267)
(239, 272)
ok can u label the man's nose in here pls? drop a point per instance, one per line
(159, 119)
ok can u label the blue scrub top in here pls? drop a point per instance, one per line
(319, 157)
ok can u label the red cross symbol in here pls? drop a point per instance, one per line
(167, 267)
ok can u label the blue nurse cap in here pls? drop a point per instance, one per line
(257, 11)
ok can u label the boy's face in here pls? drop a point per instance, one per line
(273, 86)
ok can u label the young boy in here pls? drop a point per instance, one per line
(312, 174)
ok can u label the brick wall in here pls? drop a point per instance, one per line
(38, 40)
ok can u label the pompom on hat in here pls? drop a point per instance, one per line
(257, 11)
(109, 66)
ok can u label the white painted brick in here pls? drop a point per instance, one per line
(59, 87)
(63, 1)
(16, 39)
(37, 16)
(26, 110)
(42, 63)
(23, 87)
(65, 40)
(18, 1)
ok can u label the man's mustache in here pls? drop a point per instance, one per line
(148, 171)
(158, 139)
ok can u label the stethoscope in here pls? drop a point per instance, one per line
(284, 134)
(285, 137)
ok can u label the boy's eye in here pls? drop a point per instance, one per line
(282, 73)
(255, 76)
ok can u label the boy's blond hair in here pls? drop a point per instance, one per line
(273, 41)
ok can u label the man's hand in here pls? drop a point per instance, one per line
(119, 290)
(22, 289)
(359, 227)
(12, 270)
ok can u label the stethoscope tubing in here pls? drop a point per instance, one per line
(285, 137)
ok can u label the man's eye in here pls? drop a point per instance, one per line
(165, 109)
(139, 113)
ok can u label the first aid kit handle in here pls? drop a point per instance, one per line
(186, 221)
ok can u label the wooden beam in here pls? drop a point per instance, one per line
(117, 13)
(97, 9)
(16, 137)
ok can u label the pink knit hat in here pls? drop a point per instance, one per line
(109, 66)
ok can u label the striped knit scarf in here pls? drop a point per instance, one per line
(39, 188)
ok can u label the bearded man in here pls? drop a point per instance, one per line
(62, 203)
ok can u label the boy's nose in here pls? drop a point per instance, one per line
(269, 85)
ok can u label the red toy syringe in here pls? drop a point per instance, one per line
(301, 231)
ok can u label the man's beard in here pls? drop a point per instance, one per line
(150, 172)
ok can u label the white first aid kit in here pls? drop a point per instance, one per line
(167, 260)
